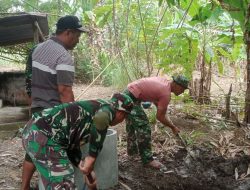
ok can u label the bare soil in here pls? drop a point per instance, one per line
(215, 159)
(199, 166)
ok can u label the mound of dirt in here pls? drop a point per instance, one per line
(200, 168)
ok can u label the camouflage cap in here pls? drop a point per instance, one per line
(122, 102)
(181, 80)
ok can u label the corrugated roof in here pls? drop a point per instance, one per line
(20, 28)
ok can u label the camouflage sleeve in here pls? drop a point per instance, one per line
(98, 132)
(74, 155)
(28, 72)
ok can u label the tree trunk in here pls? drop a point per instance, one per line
(228, 106)
(205, 82)
(201, 82)
(202, 79)
(247, 99)
(247, 41)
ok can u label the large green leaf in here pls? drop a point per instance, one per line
(101, 10)
(88, 5)
(89, 16)
(180, 56)
(237, 9)
(104, 19)
(173, 2)
(193, 8)
(237, 49)
(239, 16)
(173, 30)
(209, 51)
(216, 13)
(234, 4)
(224, 53)
(102, 14)
(160, 2)
(203, 14)
(220, 67)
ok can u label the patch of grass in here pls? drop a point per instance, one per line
(221, 125)
(151, 113)
(119, 76)
(191, 138)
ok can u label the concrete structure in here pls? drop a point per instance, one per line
(15, 29)
(106, 166)
(12, 88)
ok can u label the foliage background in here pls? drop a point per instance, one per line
(140, 38)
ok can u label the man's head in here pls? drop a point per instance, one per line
(123, 104)
(68, 30)
(179, 84)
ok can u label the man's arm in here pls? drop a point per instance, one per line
(98, 131)
(164, 119)
(65, 93)
(87, 165)
(65, 77)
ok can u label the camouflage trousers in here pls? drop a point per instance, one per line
(50, 159)
(139, 134)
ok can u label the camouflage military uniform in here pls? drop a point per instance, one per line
(50, 134)
(138, 132)
(28, 72)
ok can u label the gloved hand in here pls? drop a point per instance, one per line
(75, 156)
(146, 105)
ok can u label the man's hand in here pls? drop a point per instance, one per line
(66, 93)
(175, 130)
(87, 165)
(90, 180)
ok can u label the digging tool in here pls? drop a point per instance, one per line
(184, 144)
(182, 140)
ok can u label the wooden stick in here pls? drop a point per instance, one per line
(39, 30)
(95, 79)
(125, 186)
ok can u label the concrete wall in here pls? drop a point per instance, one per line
(12, 88)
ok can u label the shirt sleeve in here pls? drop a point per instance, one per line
(98, 132)
(65, 70)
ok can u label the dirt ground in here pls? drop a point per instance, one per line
(215, 158)
(199, 166)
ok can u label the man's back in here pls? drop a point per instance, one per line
(51, 65)
(153, 89)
